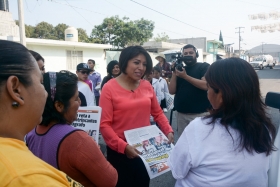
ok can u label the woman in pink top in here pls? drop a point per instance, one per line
(128, 106)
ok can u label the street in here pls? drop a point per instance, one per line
(269, 81)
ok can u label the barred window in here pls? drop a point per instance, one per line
(73, 58)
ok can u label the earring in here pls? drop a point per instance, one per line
(15, 104)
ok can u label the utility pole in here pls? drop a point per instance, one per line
(262, 47)
(21, 23)
(239, 36)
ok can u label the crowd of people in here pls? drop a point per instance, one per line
(225, 137)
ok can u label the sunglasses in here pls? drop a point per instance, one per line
(84, 72)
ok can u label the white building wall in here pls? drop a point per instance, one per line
(55, 57)
(200, 57)
(209, 58)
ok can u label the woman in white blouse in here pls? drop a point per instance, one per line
(232, 146)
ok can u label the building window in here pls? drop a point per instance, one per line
(73, 58)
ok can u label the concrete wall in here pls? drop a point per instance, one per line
(8, 26)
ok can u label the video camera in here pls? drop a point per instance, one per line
(179, 59)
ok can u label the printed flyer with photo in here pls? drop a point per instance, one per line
(88, 119)
(153, 145)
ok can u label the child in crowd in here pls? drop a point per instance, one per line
(163, 87)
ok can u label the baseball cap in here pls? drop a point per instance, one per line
(83, 66)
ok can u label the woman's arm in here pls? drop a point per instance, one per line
(82, 154)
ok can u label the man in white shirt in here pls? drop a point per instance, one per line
(85, 85)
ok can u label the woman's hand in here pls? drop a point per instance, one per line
(131, 152)
(170, 137)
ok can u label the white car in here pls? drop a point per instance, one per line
(263, 61)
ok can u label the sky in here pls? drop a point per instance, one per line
(177, 18)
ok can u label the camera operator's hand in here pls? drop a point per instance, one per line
(181, 74)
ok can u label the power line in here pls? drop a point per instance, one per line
(137, 17)
(178, 20)
(79, 8)
(79, 13)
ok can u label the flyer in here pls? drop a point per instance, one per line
(88, 119)
(154, 148)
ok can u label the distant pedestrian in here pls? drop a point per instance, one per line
(165, 69)
(163, 87)
(85, 85)
(95, 78)
(155, 84)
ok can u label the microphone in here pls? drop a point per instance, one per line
(132, 91)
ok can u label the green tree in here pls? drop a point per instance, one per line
(59, 31)
(44, 30)
(221, 40)
(162, 37)
(82, 35)
(29, 30)
(122, 32)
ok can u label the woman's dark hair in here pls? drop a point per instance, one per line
(66, 87)
(37, 56)
(111, 66)
(242, 107)
(109, 76)
(16, 60)
(131, 52)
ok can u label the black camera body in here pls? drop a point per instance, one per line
(179, 59)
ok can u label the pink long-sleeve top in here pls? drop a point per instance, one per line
(126, 109)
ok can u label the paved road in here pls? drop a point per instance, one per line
(269, 81)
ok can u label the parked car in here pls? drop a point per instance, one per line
(263, 61)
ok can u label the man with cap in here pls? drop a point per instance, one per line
(163, 66)
(85, 85)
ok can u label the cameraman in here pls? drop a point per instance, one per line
(190, 88)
